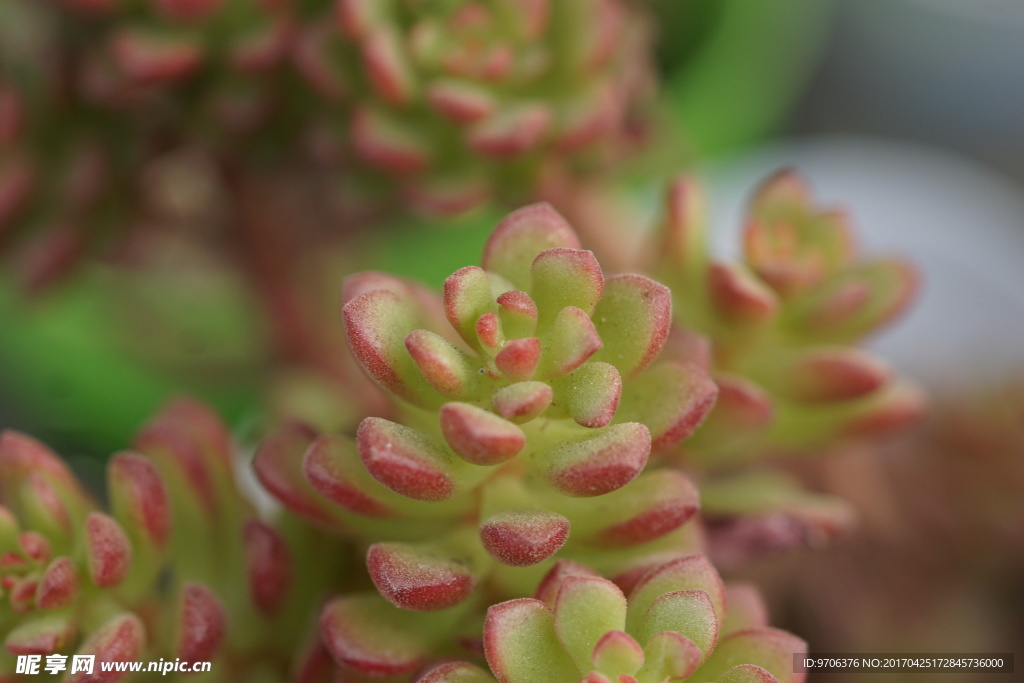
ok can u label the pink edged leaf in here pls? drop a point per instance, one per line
(35, 547)
(479, 436)
(521, 646)
(387, 143)
(686, 612)
(461, 101)
(690, 573)
(443, 196)
(551, 584)
(377, 324)
(861, 300)
(489, 335)
(570, 342)
(202, 424)
(59, 585)
(467, 296)
(521, 539)
(362, 631)
(202, 624)
(120, 639)
(672, 399)
(746, 608)
(521, 236)
(518, 358)
(408, 462)
(768, 648)
(633, 319)
(616, 653)
(899, 405)
(586, 609)
(417, 577)
(357, 17)
(827, 374)
(42, 635)
(563, 277)
(683, 227)
(332, 466)
(739, 297)
(518, 313)
(591, 394)
(109, 550)
(523, 401)
(511, 133)
(279, 467)
(22, 456)
(268, 566)
(747, 673)
(742, 410)
(669, 655)
(657, 503)
(455, 672)
(387, 67)
(599, 464)
(446, 369)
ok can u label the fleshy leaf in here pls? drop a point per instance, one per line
(202, 625)
(268, 564)
(511, 133)
(364, 632)
(109, 550)
(120, 639)
(599, 464)
(633, 319)
(827, 374)
(768, 648)
(407, 461)
(417, 577)
(521, 646)
(43, 635)
(518, 313)
(585, 610)
(655, 504)
(563, 277)
(570, 342)
(444, 367)
(518, 358)
(480, 436)
(521, 236)
(590, 394)
(669, 656)
(59, 585)
(672, 399)
(467, 296)
(616, 653)
(521, 539)
(333, 468)
(693, 572)
(551, 584)
(687, 612)
(279, 468)
(746, 608)
(523, 401)
(747, 673)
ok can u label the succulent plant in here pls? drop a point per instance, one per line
(180, 567)
(521, 434)
(679, 623)
(778, 331)
(466, 100)
(779, 328)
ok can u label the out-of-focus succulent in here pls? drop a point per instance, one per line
(522, 432)
(466, 100)
(779, 333)
(679, 623)
(181, 567)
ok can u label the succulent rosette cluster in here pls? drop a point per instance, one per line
(465, 101)
(779, 331)
(179, 567)
(529, 400)
(679, 623)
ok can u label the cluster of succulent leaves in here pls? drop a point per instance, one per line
(779, 332)
(180, 566)
(446, 104)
